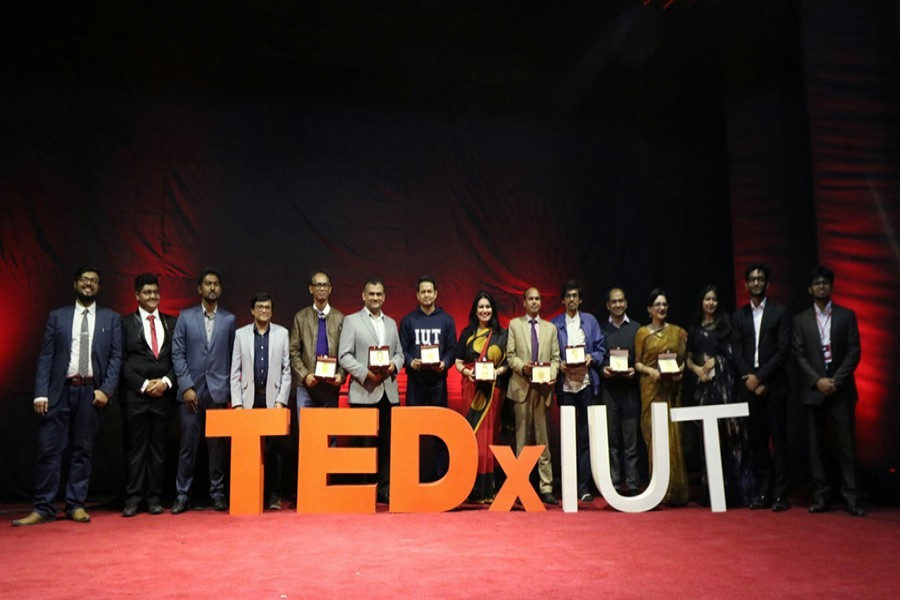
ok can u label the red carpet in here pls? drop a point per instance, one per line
(672, 553)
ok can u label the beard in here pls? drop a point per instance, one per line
(84, 298)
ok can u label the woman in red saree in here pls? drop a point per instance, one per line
(482, 340)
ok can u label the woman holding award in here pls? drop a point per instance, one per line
(709, 360)
(659, 352)
(480, 358)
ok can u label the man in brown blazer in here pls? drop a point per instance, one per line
(316, 332)
(533, 340)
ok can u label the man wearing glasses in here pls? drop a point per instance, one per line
(77, 373)
(316, 334)
(261, 378)
(827, 349)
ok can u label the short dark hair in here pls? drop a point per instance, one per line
(259, 297)
(426, 279)
(145, 279)
(613, 289)
(373, 281)
(820, 271)
(654, 294)
(312, 276)
(82, 270)
(571, 284)
(757, 266)
(209, 271)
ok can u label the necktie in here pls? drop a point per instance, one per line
(84, 346)
(534, 341)
(322, 337)
(154, 343)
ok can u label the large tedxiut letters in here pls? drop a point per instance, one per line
(318, 458)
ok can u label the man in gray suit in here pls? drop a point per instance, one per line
(201, 353)
(261, 378)
(366, 333)
(826, 346)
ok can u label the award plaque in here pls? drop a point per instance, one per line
(575, 355)
(540, 372)
(379, 357)
(668, 363)
(430, 355)
(484, 370)
(618, 360)
(326, 367)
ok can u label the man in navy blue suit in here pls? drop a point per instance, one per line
(201, 353)
(77, 373)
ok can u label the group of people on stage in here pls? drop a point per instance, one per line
(201, 361)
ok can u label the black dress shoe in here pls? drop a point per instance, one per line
(819, 506)
(181, 505)
(780, 504)
(220, 504)
(155, 509)
(131, 509)
(761, 501)
(549, 498)
(854, 509)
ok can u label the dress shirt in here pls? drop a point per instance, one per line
(625, 319)
(823, 320)
(209, 318)
(378, 324)
(757, 323)
(576, 378)
(160, 339)
(260, 358)
(75, 355)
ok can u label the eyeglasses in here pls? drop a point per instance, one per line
(320, 284)
(94, 280)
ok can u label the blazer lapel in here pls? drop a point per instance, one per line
(201, 326)
(370, 327)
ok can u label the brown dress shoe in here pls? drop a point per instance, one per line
(79, 515)
(33, 518)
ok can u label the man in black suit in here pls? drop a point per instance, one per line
(827, 349)
(77, 374)
(147, 395)
(761, 342)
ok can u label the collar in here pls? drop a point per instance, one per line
(144, 314)
(92, 309)
(822, 313)
(762, 305)
(372, 316)
(324, 311)
(625, 320)
(528, 319)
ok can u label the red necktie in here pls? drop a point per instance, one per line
(154, 344)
